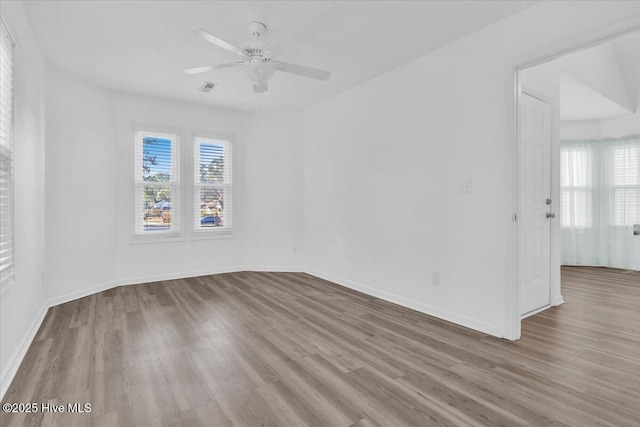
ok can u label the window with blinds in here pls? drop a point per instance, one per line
(600, 182)
(157, 184)
(213, 185)
(7, 260)
(576, 182)
(626, 184)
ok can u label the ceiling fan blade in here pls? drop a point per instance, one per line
(301, 70)
(211, 67)
(219, 42)
(260, 88)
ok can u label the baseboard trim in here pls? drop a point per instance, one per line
(557, 300)
(412, 304)
(62, 299)
(175, 276)
(18, 355)
(273, 269)
(51, 302)
(157, 278)
(536, 311)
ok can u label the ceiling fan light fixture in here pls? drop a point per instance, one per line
(258, 72)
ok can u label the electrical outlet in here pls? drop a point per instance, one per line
(435, 278)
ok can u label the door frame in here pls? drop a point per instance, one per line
(585, 41)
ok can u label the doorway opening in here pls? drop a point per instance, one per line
(577, 166)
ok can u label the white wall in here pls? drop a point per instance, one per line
(621, 126)
(383, 162)
(598, 129)
(90, 232)
(274, 164)
(81, 195)
(184, 257)
(21, 306)
(581, 129)
(267, 202)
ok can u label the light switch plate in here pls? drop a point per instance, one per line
(466, 186)
(435, 278)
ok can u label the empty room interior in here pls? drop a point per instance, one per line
(322, 213)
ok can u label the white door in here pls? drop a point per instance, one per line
(535, 215)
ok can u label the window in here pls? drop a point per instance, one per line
(213, 185)
(157, 184)
(626, 184)
(600, 182)
(6, 159)
(576, 165)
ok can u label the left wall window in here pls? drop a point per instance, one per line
(7, 243)
(157, 184)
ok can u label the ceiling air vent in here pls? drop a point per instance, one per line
(207, 86)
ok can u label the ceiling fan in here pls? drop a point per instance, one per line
(258, 62)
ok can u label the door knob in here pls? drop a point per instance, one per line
(550, 215)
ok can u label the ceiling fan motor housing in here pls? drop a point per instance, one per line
(256, 28)
(255, 45)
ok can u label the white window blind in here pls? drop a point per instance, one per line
(7, 260)
(576, 182)
(213, 187)
(600, 182)
(157, 183)
(626, 184)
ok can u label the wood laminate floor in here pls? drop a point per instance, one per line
(289, 349)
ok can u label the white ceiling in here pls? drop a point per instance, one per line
(597, 83)
(627, 49)
(144, 46)
(580, 102)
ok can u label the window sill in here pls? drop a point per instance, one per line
(576, 228)
(157, 238)
(213, 234)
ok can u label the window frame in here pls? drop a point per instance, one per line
(228, 142)
(176, 184)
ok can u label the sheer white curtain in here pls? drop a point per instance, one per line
(600, 188)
